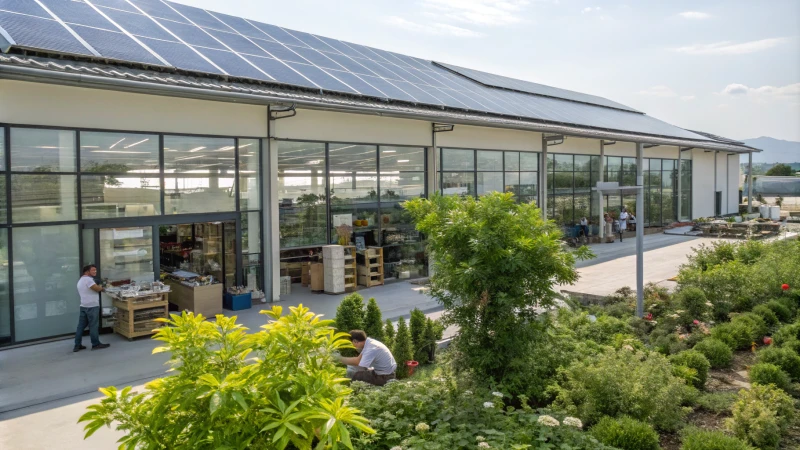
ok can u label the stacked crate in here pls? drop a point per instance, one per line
(334, 268)
(370, 267)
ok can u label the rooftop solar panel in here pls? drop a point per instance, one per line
(24, 7)
(237, 43)
(41, 34)
(157, 8)
(235, 65)
(116, 45)
(191, 34)
(116, 4)
(180, 56)
(240, 25)
(78, 13)
(281, 72)
(137, 24)
(322, 78)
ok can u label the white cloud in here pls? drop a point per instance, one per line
(730, 48)
(658, 91)
(694, 15)
(687, 98)
(438, 29)
(791, 91)
(589, 9)
(478, 12)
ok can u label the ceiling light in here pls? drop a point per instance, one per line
(314, 161)
(137, 143)
(389, 151)
(189, 157)
(115, 143)
(119, 151)
(90, 146)
(402, 160)
(225, 149)
(47, 146)
(246, 145)
(196, 149)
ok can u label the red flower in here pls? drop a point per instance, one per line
(785, 287)
(648, 316)
(767, 340)
(696, 322)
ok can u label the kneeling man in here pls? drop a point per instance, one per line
(374, 364)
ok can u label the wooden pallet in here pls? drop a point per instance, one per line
(127, 325)
(370, 269)
(350, 268)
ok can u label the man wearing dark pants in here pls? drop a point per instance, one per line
(374, 364)
(90, 310)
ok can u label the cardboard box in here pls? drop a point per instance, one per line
(317, 277)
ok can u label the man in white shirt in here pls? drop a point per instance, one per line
(623, 223)
(89, 292)
(375, 363)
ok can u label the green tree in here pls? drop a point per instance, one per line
(780, 170)
(350, 313)
(426, 353)
(416, 325)
(403, 349)
(388, 333)
(494, 260)
(276, 388)
(373, 323)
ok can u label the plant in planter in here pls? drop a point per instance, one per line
(403, 349)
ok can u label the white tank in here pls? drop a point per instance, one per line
(764, 210)
(775, 212)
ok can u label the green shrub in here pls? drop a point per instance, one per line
(693, 301)
(433, 332)
(757, 325)
(783, 313)
(373, 322)
(761, 415)
(737, 336)
(698, 439)
(785, 358)
(769, 316)
(270, 389)
(665, 340)
(787, 333)
(623, 382)
(792, 344)
(789, 303)
(350, 313)
(388, 333)
(718, 353)
(694, 360)
(403, 349)
(625, 433)
(716, 402)
(416, 326)
(766, 373)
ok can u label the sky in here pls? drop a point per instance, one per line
(728, 67)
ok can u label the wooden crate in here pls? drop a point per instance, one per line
(349, 268)
(370, 267)
(126, 323)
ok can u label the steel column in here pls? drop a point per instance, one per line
(543, 179)
(639, 233)
(749, 182)
(680, 187)
(600, 222)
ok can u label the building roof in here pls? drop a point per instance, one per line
(149, 42)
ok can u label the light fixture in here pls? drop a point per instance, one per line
(246, 145)
(189, 157)
(90, 146)
(389, 151)
(225, 149)
(115, 143)
(137, 143)
(119, 151)
(314, 162)
(47, 146)
(196, 149)
(402, 160)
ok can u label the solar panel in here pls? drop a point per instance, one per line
(281, 72)
(199, 17)
(321, 78)
(234, 65)
(78, 13)
(116, 45)
(191, 34)
(237, 42)
(41, 34)
(500, 81)
(137, 24)
(180, 55)
(157, 8)
(116, 4)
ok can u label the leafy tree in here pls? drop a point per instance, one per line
(426, 353)
(494, 260)
(350, 313)
(388, 333)
(780, 170)
(373, 323)
(416, 325)
(403, 349)
(274, 389)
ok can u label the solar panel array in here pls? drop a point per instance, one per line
(161, 33)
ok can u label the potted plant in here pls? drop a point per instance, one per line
(404, 271)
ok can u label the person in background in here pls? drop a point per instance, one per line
(89, 292)
(623, 222)
(609, 235)
(374, 364)
(632, 221)
(585, 227)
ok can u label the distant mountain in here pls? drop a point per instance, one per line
(774, 150)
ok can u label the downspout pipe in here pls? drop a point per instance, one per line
(31, 74)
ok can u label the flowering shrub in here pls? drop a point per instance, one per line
(437, 414)
(761, 415)
(270, 389)
(716, 351)
(623, 382)
(625, 433)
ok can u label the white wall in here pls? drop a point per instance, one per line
(465, 136)
(733, 184)
(702, 183)
(51, 105)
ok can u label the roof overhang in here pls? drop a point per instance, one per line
(154, 83)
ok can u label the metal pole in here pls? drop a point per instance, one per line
(639, 233)
(601, 169)
(543, 179)
(680, 182)
(749, 182)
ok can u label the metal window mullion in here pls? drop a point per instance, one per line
(475, 172)
(236, 186)
(9, 241)
(327, 195)
(79, 200)
(161, 176)
(378, 183)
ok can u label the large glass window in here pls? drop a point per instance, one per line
(353, 181)
(43, 198)
(476, 172)
(686, 188)
(199, 174)
(118, 153)
(302, 201)
(402, 173)
(5, 301)
(42, 150)
(46, 268)
(249, 174)
(3, 205)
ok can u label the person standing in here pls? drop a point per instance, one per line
(585, 227)
(623, 223)
(89, 292)
(609, 235)
(374, 364)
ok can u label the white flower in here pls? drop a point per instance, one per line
(396, 447)
(498, 394)
(467, 392)
(573, 422)
(549, 421)
(484, 445)
(480, 438)
(422, 427)
(488, 405)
